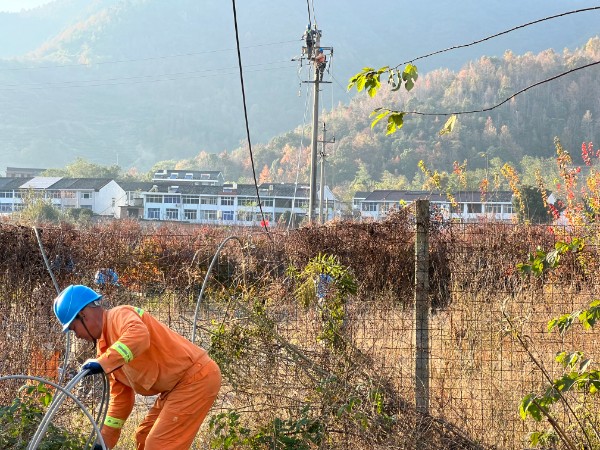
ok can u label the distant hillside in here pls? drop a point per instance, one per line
(568, 107)
(138, 81)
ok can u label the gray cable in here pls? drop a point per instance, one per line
(212, 263)
(62, 373)
(64, 391)
(56, 402)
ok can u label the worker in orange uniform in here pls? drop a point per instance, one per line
(141, 355)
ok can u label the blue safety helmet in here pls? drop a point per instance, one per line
(71, 301)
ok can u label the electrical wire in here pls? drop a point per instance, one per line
(65, 392)
(151, 58)
(499, 34)
(457, 113)
(237, 40)
(204, 283)
(49, 268)
(32, 86)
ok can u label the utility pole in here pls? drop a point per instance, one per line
(322, 200)
(315, 55)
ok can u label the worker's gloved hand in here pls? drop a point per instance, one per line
(98, 447)
(93, 366)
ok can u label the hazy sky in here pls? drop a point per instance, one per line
(18, 5)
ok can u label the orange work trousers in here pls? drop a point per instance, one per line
(175, 418)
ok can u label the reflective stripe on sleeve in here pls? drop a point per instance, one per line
(114, 422)
(123, 351)
(140, 311)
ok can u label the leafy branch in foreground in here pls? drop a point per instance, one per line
(577, 375)
(369, 79)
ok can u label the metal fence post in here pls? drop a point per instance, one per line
(421, 343)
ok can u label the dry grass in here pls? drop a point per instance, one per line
(478, 371)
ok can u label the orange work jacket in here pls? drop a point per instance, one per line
(141, 355)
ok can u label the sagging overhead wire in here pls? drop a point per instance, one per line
(594, 8)
(457, 113)
(150, 58)
(237, 40)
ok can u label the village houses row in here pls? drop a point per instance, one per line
(204, 197)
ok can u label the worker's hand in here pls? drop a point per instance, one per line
(93, 366)
(98, 447)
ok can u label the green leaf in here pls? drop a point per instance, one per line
(409, 76)
(360, 83)
(449, 125)
(395, 122)
(590, 316)
(528, 407)
(379, 116)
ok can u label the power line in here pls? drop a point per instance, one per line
(130, 82)
(499, 34)
(507, 99)
(239, 55)
(151, 58)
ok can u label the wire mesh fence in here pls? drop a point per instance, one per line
(284, 376)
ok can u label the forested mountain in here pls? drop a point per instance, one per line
(134, 82)
(521, 129)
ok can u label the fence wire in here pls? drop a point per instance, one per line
(276, 366)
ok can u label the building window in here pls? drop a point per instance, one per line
(473, 208)
(267, 202)
(173, 176)
(6, 194)
(154, 213)
(508, 209)
(172, 214)
(5, 207)
(68, 194)
(191, 199)
(190, 214)
(172, 199)
(493, 209)
(369, 206)
(205, 176)
(227, 201)
(227, 215)
(154, 199)
(86, 195)
(283, 203)
(208, 215)
(247, 201)
(245, 216)
(208, 200)
(189, 176)
(86, 206)
(301, 203)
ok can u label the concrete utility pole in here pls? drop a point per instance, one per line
(322, 200)
(315, 54)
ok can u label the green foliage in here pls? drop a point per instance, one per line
(294, 433)
(449, 125)
(540, 261)
(81, 168)
(20, 420)
(337, 282)
(81, 215)
(577, 375)
(37, 209)
(369, 79)
(534, 209)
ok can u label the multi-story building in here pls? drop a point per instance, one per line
(101, 195)
(185, 200)
(467, 206)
